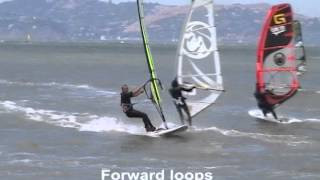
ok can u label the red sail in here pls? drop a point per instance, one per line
(276, 63)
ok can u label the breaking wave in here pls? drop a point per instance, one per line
(288, 139)
(79, 121)
(86, 87)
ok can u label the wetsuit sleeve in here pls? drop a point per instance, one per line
(187, 89)
(128, 95)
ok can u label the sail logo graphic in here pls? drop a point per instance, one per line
(279, 59)
(197, 40)
(276, 30)
(279, 19)
(202, 81)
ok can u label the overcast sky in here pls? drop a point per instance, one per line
(306, 7)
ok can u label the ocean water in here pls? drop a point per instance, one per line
(60, 117)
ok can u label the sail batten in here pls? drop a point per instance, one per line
(198, 75)
(198, 57)
(194, 30)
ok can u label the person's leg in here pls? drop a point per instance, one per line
(271, 110)
(263, 109)
(265, 112)
(274, 114)
(186, 110)
(147, 123)
(180, 113)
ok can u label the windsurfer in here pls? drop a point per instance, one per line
(128, 109)
(263, 104)
(179, 100)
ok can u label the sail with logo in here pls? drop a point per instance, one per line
(276, 67)
(198, 57)
(300, 49)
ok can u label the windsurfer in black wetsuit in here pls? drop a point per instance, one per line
(263, 104)
(179, 100)
(128, 109)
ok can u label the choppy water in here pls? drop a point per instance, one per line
(60, 118)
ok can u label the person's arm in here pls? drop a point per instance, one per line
(125, 107)
(187, 89)
(137, 92)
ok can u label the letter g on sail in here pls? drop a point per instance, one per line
(197, 41)
(279, 19)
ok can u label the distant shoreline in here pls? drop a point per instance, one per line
(131, 44)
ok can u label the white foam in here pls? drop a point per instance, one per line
(21, 161)
(108, 124)
(288, 139)
(169, 124)
(22, 154)
(220, 167)
(80, 121)
(60, 85)
(313, 120)
(289, 120)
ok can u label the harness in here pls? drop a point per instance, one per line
(179, 101)
(126, 107)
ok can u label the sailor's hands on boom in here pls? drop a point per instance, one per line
(210, 89)
(138, 91)
(195, 86)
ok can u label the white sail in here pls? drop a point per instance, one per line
(198, 57)
(300, 51)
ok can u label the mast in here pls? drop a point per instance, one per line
(153, 80)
